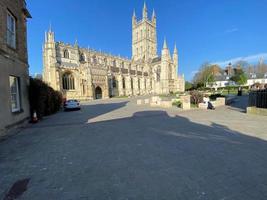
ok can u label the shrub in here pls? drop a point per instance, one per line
(43, 99)
(215, 96)
(196, 97)
(177, 103)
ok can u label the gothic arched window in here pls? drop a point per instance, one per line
(66, 54)
(94, 59)
(170, 72)
(131, 83)
(105, 61)
(82, 57)
(123, 83)
(68, 82)
(139, 84)
(114, 82)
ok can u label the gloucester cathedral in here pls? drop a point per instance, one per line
(84, 73)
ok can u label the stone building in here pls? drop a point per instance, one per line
(83, 73)
(14, 75)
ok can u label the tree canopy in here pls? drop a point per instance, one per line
(206, 74)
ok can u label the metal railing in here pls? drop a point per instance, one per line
(258, 99)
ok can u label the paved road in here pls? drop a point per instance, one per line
(114, 149)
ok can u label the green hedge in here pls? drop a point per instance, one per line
(43, 99)
(215, 96)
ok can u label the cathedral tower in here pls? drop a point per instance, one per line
(49, 60)
(144, 36)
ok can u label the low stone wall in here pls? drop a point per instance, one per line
(139, 101)
(155, 101)
(186, 102)
(202, 106)
(147, 101)
(257, 111)
(220, 101)
(166, 104)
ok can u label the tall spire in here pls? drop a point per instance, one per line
(165, 44)
(50, 35)
(76, 42)
(134, 19)
(134, 16)
(153, 14)
(50, 27)
(144, 11)
(175, 49)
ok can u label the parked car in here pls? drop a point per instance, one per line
(72, 104)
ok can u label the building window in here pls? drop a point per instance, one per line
(11, 31)
(15, 93)
(66, 54)
(114, 63)
(105, 61)
(131, 83)
(139, 84)
(94, 59)
(145, 83)
(82, 58)
(114, 82)
(170, 72)
(68, 82)
(122, 65)
(123, 83)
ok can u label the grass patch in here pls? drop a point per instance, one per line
(193, 105)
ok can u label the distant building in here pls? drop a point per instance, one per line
(223, 80)
(84, 73)
(14, 75)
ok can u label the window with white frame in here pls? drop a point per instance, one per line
(11, 30)
(15, 93)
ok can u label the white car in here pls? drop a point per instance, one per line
(72, 104)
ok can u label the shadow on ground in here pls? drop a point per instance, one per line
(78, 117)
(147, 156)
(240, 103)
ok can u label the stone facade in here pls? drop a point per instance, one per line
(83, 73)
(14, 75)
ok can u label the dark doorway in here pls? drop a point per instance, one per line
(98, 92)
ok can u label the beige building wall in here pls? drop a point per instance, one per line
(13, 62)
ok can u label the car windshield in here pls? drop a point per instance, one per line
(72, 101)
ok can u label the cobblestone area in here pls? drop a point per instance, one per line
(114, 149)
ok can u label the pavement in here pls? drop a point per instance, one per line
(115, 149)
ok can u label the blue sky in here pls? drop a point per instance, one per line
(216, 31)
